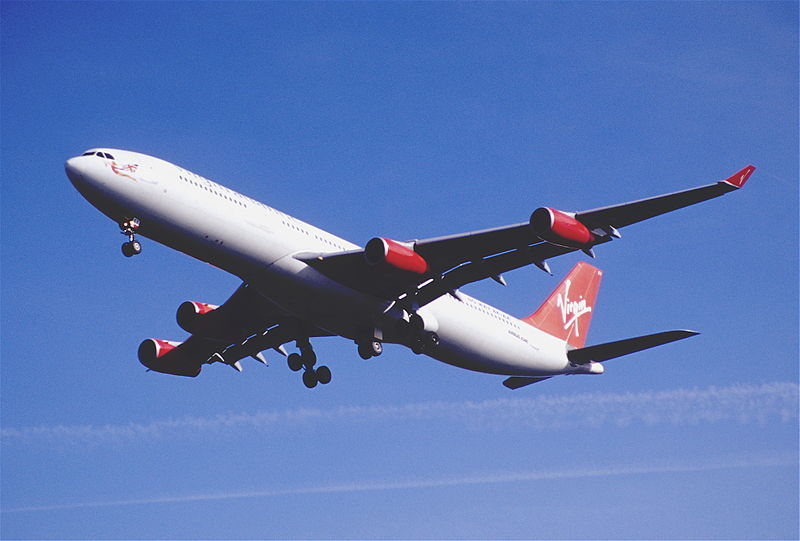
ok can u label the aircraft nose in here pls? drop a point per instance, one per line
(73, 169)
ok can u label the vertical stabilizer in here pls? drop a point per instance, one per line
(567, 312)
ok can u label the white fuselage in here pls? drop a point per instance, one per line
(257, 243)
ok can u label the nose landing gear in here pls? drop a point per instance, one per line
(133, 246)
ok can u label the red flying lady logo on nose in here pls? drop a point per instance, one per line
(124, 169)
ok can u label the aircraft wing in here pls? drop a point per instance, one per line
(420, 271)
(244, 326)
(636, 211)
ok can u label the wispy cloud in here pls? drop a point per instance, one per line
(739, 404)
(720, 463)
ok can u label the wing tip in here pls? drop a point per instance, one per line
(738, 179)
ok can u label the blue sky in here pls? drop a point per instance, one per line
(407, 120)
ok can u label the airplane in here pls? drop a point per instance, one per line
(300, 282)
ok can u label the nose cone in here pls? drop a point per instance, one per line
(74, 168)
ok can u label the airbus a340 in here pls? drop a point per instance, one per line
(300, 282)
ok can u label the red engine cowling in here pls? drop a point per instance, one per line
(394, 254)
(163, 356)
(190, 316)
(561, 228)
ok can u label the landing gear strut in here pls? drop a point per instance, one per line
(306, 359)
(133, 246)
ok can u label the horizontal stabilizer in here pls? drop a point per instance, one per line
(517, 382)
(612, 350)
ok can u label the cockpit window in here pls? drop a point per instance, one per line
(105, 155)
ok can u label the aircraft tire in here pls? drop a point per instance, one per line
(323, 374)
(295, 362)
(364, 352)
(310, 379)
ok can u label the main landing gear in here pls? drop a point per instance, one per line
(424, 342)
(421, 340)
(133, 246)
(306, 360)
(369, 348)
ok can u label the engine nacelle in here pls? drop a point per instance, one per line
(561, 228)
(163, 356)
(395, 254)
(191, 314)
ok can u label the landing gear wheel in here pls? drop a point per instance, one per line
(131, 248)
(426, 342)
(295, 362)
(370, 348)
(310, 379)
(364, 352)
(323, 374)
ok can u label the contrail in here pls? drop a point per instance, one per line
(742, 404)
(422, 483)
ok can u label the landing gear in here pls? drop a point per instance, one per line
(295, 362)
(310, 379)
(323, 375)
(313, 376)
(133, 246)
(307, 359)
(425, 342)
(370, 348)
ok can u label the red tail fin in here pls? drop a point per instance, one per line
(567, 312)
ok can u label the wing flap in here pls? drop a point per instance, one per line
(443, 253)
(489, 267)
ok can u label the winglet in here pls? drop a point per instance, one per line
(737, 180)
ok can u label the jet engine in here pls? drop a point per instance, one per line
(165, 357)
(561, 228)
(398, 255)
(191, 314)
